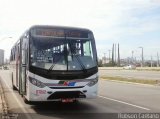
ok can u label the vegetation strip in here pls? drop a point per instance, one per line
(148, 69)
(134, 80)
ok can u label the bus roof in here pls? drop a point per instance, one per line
(52, 26)
(61, 27)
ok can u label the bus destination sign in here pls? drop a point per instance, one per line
(50, 32)
(60, 33)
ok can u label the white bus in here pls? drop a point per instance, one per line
(55, 63)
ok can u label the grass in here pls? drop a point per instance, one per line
(134, 80)
(148, 69)
(138, 68)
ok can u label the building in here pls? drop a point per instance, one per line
(1, 57)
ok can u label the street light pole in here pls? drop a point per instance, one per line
(5, 38)
(142, 57)
(109, 55)
(151, 61)
(157, 59)
(132, 57)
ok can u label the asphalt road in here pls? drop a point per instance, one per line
(131, 74)
(113, 98)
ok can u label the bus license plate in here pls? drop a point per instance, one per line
(67, 100)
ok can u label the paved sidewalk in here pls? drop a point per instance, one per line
(3, 104)
(0, 105)
(1, 111)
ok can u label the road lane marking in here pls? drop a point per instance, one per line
(124, 102)
(17, 100)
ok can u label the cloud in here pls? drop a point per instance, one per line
(112, 21)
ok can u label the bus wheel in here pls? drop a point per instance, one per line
(13, 87)
(25, 100)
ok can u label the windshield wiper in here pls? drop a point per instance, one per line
(77, 57)
(53, 65)
(81, 64)
(73, 54)
(64, 53)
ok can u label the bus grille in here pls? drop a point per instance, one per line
(67, 87)
(66, 94)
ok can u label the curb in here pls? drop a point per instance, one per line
(4, 107)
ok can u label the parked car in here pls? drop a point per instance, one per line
(129, 67)
(5, 68)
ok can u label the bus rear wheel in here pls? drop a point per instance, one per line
(25, 100)
(13, 86)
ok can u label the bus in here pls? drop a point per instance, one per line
(55, 63)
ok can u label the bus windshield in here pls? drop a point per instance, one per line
(62, 53)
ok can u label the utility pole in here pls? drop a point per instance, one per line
(132, 57)
(113, 54)
(109, 54)
(104, 58)
(157, 59)
(142, 63)
(118, 56)
(151, 61)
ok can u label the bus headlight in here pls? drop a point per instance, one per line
(93, 82)
(36, 82)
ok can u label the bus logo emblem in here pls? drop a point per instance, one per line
(65, 83)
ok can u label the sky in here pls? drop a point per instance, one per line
(131, 23)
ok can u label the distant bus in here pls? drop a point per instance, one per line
(55, 63)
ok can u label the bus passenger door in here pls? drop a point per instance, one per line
(22, 86)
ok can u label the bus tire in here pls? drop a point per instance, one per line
(13, 87)
(25, 100)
